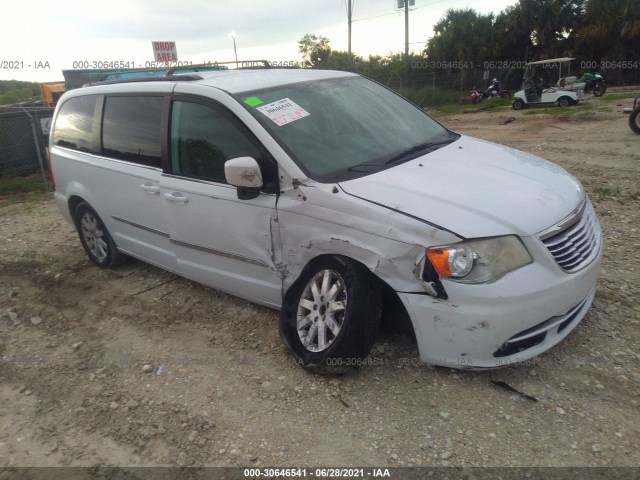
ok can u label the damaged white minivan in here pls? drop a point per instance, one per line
(329, 197)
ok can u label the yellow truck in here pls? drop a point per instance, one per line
(51, 92)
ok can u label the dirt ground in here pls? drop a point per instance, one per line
(137, 367)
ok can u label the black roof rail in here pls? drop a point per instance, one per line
(187, 77)
(171, 76)
(240, 64)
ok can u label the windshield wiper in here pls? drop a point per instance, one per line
(417, 149)
(362, 167)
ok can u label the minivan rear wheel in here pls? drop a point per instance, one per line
(95, 238)
(330, 316)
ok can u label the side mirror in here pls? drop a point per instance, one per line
(244, 173)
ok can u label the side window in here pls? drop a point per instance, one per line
(73, 128)
(203, 139)
(131, 129)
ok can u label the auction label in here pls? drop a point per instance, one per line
(283, 111)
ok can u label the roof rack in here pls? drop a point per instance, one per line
(241, 64)
(167, 78)
(182, 73)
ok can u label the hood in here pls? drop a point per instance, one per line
(475, 189)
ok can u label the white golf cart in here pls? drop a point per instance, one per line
(547, 83)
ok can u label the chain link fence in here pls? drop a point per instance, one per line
(24, 136)
(432, 84)
(427, 86)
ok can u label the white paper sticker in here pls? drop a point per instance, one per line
(283, 111)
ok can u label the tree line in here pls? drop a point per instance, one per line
(14, 91)
(592, 30)
(600, 34)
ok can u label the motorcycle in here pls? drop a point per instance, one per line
(494, 91)
(634, 117)
(594, 82)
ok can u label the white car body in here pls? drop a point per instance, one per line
(257, 248)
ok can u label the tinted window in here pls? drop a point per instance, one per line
(203, 139)
(74, 122)
(131, 129)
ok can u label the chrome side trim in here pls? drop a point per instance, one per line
(143, 227)
(221, 253)
(202, 248)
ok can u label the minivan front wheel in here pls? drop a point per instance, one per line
(95, 238)
(330, 316)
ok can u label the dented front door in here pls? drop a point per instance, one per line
(220, 240)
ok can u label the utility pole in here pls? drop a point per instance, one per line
(406, 42)
(349, 17)
(233, 37)
(406, 4)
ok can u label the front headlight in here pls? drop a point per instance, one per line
(479, 261)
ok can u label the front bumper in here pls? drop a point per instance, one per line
(509, 321)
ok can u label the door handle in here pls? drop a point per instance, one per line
(150, 187)
(176, 197)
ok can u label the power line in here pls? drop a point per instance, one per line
(376, 16)
(396, 13)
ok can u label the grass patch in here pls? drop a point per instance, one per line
(493, 105)
(21, 185)
(450, 109)
(614, 97)
(581, 109)
(606, 193)
(431, 97)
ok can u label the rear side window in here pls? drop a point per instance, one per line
(73, 128)
(131, 129)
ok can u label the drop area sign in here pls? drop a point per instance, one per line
(165, 51)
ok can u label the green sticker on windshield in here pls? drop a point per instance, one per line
(253, 101)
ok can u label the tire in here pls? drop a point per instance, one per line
(565, 102)
(476, 100)
(505, 94)
(518, 104)
(96, 239)
(330, 316)
(599, 89)
(634, 120)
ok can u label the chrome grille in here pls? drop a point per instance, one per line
(575, 241)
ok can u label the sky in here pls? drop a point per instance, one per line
(40, 38)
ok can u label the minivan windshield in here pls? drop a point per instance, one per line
(343, 128)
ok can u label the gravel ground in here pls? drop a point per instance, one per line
(137, 367)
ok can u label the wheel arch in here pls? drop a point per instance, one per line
(318, 259)
(393, 309)
(76, 192)
(73, 202)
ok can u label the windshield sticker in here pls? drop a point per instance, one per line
(283, 111)
(253, 101)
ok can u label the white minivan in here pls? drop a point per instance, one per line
(329, 197)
